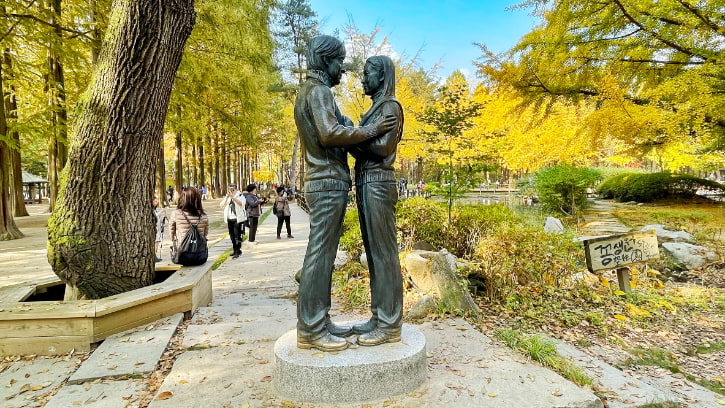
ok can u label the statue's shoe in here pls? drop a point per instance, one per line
(378, 336)
(366, 327)
(327, 342)
(338, 330)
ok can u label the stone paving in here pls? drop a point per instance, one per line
(598, 220)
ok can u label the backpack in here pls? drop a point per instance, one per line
(278, 208)
(193, 250)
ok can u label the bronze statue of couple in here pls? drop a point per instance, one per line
(328, 136)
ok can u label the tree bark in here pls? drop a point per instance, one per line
(17, 201)
(101, 234)
(8, 229)
(195, 158)
(55, 86)
(202, 174)
(217, 153)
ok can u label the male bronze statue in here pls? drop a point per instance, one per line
(324, 133)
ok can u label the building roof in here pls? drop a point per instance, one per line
(32, 178)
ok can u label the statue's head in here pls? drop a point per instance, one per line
(379, 74)
(326, 53)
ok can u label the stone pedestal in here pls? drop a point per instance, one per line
(356, 374)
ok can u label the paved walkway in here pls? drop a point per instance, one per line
(599, 220)
(25, 260)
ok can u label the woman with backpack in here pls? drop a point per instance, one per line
(282, 210)
(189, 219)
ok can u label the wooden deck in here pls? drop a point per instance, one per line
(57, 327)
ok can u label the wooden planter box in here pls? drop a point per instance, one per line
(57, 327)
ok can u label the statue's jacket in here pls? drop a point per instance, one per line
(324, 133)
(374, 159)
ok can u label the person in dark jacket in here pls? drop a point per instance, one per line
(324, 133)
(254, 211)
(284, 214)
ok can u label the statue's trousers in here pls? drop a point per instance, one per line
(376, 211)
(327, 212)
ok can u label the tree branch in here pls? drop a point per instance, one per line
(701, 16)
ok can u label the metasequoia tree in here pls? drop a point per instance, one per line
(101, 233)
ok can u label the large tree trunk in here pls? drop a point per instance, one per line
(55, 86)
(101, 234)
(17, 201)
(202, 173)
(8, 229)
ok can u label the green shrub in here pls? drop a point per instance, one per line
(522, 255)
(471, 223)
(351, 239)
(646, 187)
(418, 219)
(563, 188)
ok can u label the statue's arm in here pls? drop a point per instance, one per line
(386, 144)
(331, 133)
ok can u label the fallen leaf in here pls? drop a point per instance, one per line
(719, 401)
(164, 395)
(492, 394)
(557, 394)
(620, 317)
(619, 293)
(267, 378)
(183, 382)
(150, 327)
(263, 362)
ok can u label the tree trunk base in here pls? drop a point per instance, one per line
(73, 293)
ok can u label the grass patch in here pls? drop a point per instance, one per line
(543, 350)
(220, 260)
(351, 285)
(712, 348)
(658, 357)
(704, 221)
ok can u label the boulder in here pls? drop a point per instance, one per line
(423, 246)
(690, 256)
(435, 273)
(422, 308)
(665, 235)
(553, 225)
(417, 263)
(341, 259)
(364, 260)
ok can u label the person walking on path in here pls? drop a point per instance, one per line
(203, 193)
(324, 133)
(188, 211)
(377, 193)
(160, 214)
(235, 215)
(281, 205)
(254, 211)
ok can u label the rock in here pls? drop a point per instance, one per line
(423, 246)
(364, 260)
(422, 308)
(298, 275)
(435, 273)
(417, 264)
(341, 259)
(690, 256)
(665, 235)
(553, 225)
(631, 203)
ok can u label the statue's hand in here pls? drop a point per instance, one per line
(385, 124)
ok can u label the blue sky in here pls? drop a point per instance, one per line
(445, 30)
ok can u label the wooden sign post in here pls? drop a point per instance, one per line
(619, 251)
